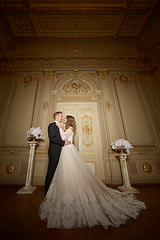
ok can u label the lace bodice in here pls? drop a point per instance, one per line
(68, 134)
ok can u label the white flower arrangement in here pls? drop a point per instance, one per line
(122, 143)
(35, 134)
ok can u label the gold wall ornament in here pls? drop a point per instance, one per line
(147, 167)
(87, 129)
(27, 80)
(143, 151)
(45, 105)
(108, 105)
(49, 73)
(53, 99)
(10, 168)
(87, 132)
(76, 86)
(13, 152)
(102, 73)
(76, 74)
(124, 79)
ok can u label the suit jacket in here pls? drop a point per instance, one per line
(55, 140)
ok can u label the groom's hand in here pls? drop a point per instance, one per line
(67, 142)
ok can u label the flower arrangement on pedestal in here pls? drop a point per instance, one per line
(35, 134)
(120, 143)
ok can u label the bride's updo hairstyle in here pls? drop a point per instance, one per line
(71, 122)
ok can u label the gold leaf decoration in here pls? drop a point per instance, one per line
(10, 168)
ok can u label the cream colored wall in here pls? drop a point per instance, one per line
(128, 116)
(127, 109)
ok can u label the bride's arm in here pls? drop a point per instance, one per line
(65, 135)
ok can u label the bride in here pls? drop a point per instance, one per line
(77, 198)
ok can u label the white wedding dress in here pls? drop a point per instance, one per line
(77, 198)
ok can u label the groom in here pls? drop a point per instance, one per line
(55, 145)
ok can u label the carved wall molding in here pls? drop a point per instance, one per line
(149, 72)
(49, 73)
(102, 73)
(6, 73)
(76, 86)
(101, 64)
(87, 130)
(10, 47)
(124, 79)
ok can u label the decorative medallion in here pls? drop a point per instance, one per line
(147, 167)
(124, 79)
(10, 168)
(76, 86)
(87, 129)
(27, 80)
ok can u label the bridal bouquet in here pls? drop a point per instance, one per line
(35, 134)
(119, 143)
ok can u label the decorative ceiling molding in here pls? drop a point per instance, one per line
(125, 29)
(34, 20)
(72, 63)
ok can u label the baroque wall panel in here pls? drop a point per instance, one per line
(21, 111)
(137, 127)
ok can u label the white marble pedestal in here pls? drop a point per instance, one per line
(126, 182)
(28, 188)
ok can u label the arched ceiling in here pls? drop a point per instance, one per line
(99, 28)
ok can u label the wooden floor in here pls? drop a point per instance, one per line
(19, 219)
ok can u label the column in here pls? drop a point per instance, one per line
(28, 188)
(126, 182)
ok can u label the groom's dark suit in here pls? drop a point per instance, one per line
(55, 147)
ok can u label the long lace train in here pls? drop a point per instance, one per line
(77, 198)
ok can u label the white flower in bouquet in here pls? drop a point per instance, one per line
(122, 143)
(35, 133)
